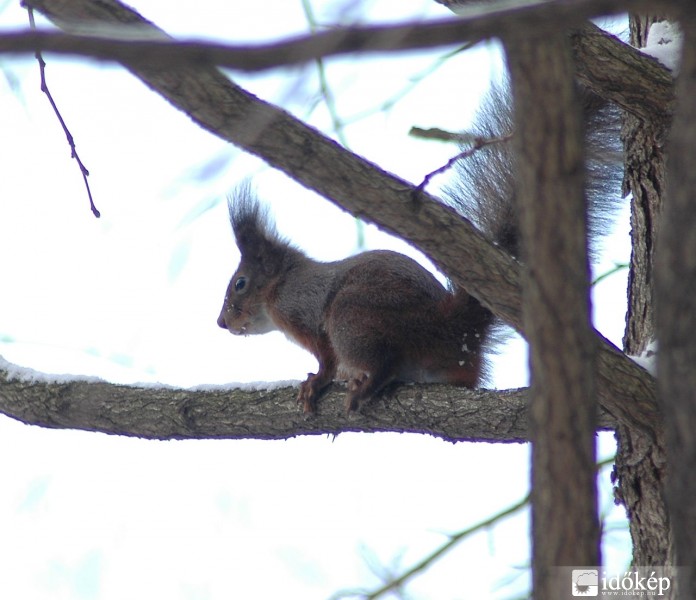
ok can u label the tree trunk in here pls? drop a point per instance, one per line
(550, 188)
(676, 302)
(640, 469)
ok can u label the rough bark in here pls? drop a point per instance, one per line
(360, 187)
(644, 179)
(550, 191)
(635, 82)
(676, 317)
(641, 463)
(453, 414)
(639, 474)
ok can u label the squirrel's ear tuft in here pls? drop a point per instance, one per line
(251, 224)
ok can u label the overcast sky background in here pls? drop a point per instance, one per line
(134, 297)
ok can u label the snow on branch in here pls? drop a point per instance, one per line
(164, 413)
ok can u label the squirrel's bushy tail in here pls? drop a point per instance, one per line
(483, 189)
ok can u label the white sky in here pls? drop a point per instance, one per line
(134, 297)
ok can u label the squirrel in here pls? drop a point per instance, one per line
(379, 317)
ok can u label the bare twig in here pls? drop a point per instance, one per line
(338, 124)
(68, 135)
(477, 144)
(615, 269)
(648, 91)
(424, 563)
(428, 560)
(326, 92)
(413, 81)
(442, 135)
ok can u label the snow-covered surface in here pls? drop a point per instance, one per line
(664, 43)
(29, 375)
(251, 386)
(648, 359)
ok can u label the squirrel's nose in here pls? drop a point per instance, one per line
(221, 321)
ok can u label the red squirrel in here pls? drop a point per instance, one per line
(373, 318)
(376, 317)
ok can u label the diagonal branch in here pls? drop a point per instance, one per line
(622, 74)
(363, 189)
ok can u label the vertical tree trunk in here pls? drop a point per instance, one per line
(644, 179)
(640, 469)
(676, 297)
(563, 403)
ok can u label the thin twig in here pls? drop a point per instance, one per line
(615, 269)
(68, 135)
(433, 556)
(454, 539)
(413, 82)
(338, 124)
(478, 143)
(325, 89)
(442, 135)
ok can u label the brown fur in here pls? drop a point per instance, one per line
(375, 318)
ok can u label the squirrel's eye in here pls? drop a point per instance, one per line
(240, 284)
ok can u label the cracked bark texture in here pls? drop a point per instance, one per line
(644, 178)
(641, 463)
(550, 166)
(453, 414)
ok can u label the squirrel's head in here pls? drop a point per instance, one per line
(263, 255)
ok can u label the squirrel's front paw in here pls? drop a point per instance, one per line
(308, 394)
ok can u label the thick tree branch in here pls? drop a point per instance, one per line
(360, 187)
(614, 70)
(453, 414)
(618, 72)
(476, 24)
